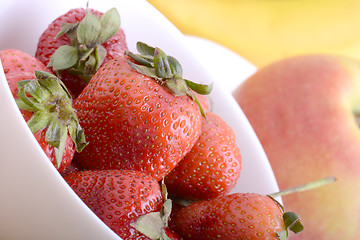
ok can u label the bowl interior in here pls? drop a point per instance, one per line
(36, 199)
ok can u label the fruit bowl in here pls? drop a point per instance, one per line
(36, 203)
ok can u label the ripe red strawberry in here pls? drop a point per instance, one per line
(175, 208)
(70, 169)
(236, 216)
(46, 106)
(156, 225)
(213, 165)
(16, 61)
(204, 101)
(75, 46)
(118, 197)
(134, 121)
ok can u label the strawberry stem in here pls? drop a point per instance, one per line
(304, 187)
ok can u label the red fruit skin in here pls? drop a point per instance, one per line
(235, 216)
(213, 165)
(70, 169)
(20, 66)
(204, 101)
(15, 61)
(48, 44)
(131, 122)
(172, 234)
(118, 197)
(50, 151)
(174, 210)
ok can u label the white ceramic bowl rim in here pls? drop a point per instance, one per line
(36, 203)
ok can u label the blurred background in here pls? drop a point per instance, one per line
(263, 31)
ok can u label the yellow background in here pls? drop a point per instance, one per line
(263, 31)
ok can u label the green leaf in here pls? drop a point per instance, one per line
(59, 152)
(162, 65)
(22, 105)
(202, 89)
(164, 191)
(141, 59)
(29, 101)
(177, 86)
(53, 133)
(292, 222)
(38, 121)
(77, 135)
(22, 83)
(143, 70)
(49, 81)
(150, 224)
(66, 28)
(175, 66)
(166, 211)
(90, 65)
(110, 23)
(40, 75)
(36, 91)
(85, 52)
(145, 49)
(89, 29)
(64, 57)
(100, 53)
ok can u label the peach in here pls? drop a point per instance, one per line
(305, 111)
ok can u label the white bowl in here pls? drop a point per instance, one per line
(35, 202)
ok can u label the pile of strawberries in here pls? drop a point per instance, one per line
(135, 140)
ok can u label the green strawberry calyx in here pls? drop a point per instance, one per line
(292, 222)
(51, 104)
(85, 54)
(153, 224)
(167, 71)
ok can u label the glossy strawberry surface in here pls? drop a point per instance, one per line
(117, 197)
(213, 165)
(132, 122)
(15, 61)
(235, 216)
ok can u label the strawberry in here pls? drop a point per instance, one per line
(118, 197)
(46, 106)
(135, 121)
(236, 216)
(156, 225)
(17, 61)
(70, 169)
(175, 208)
(213, 165)
(76, 43)
(204, 101)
